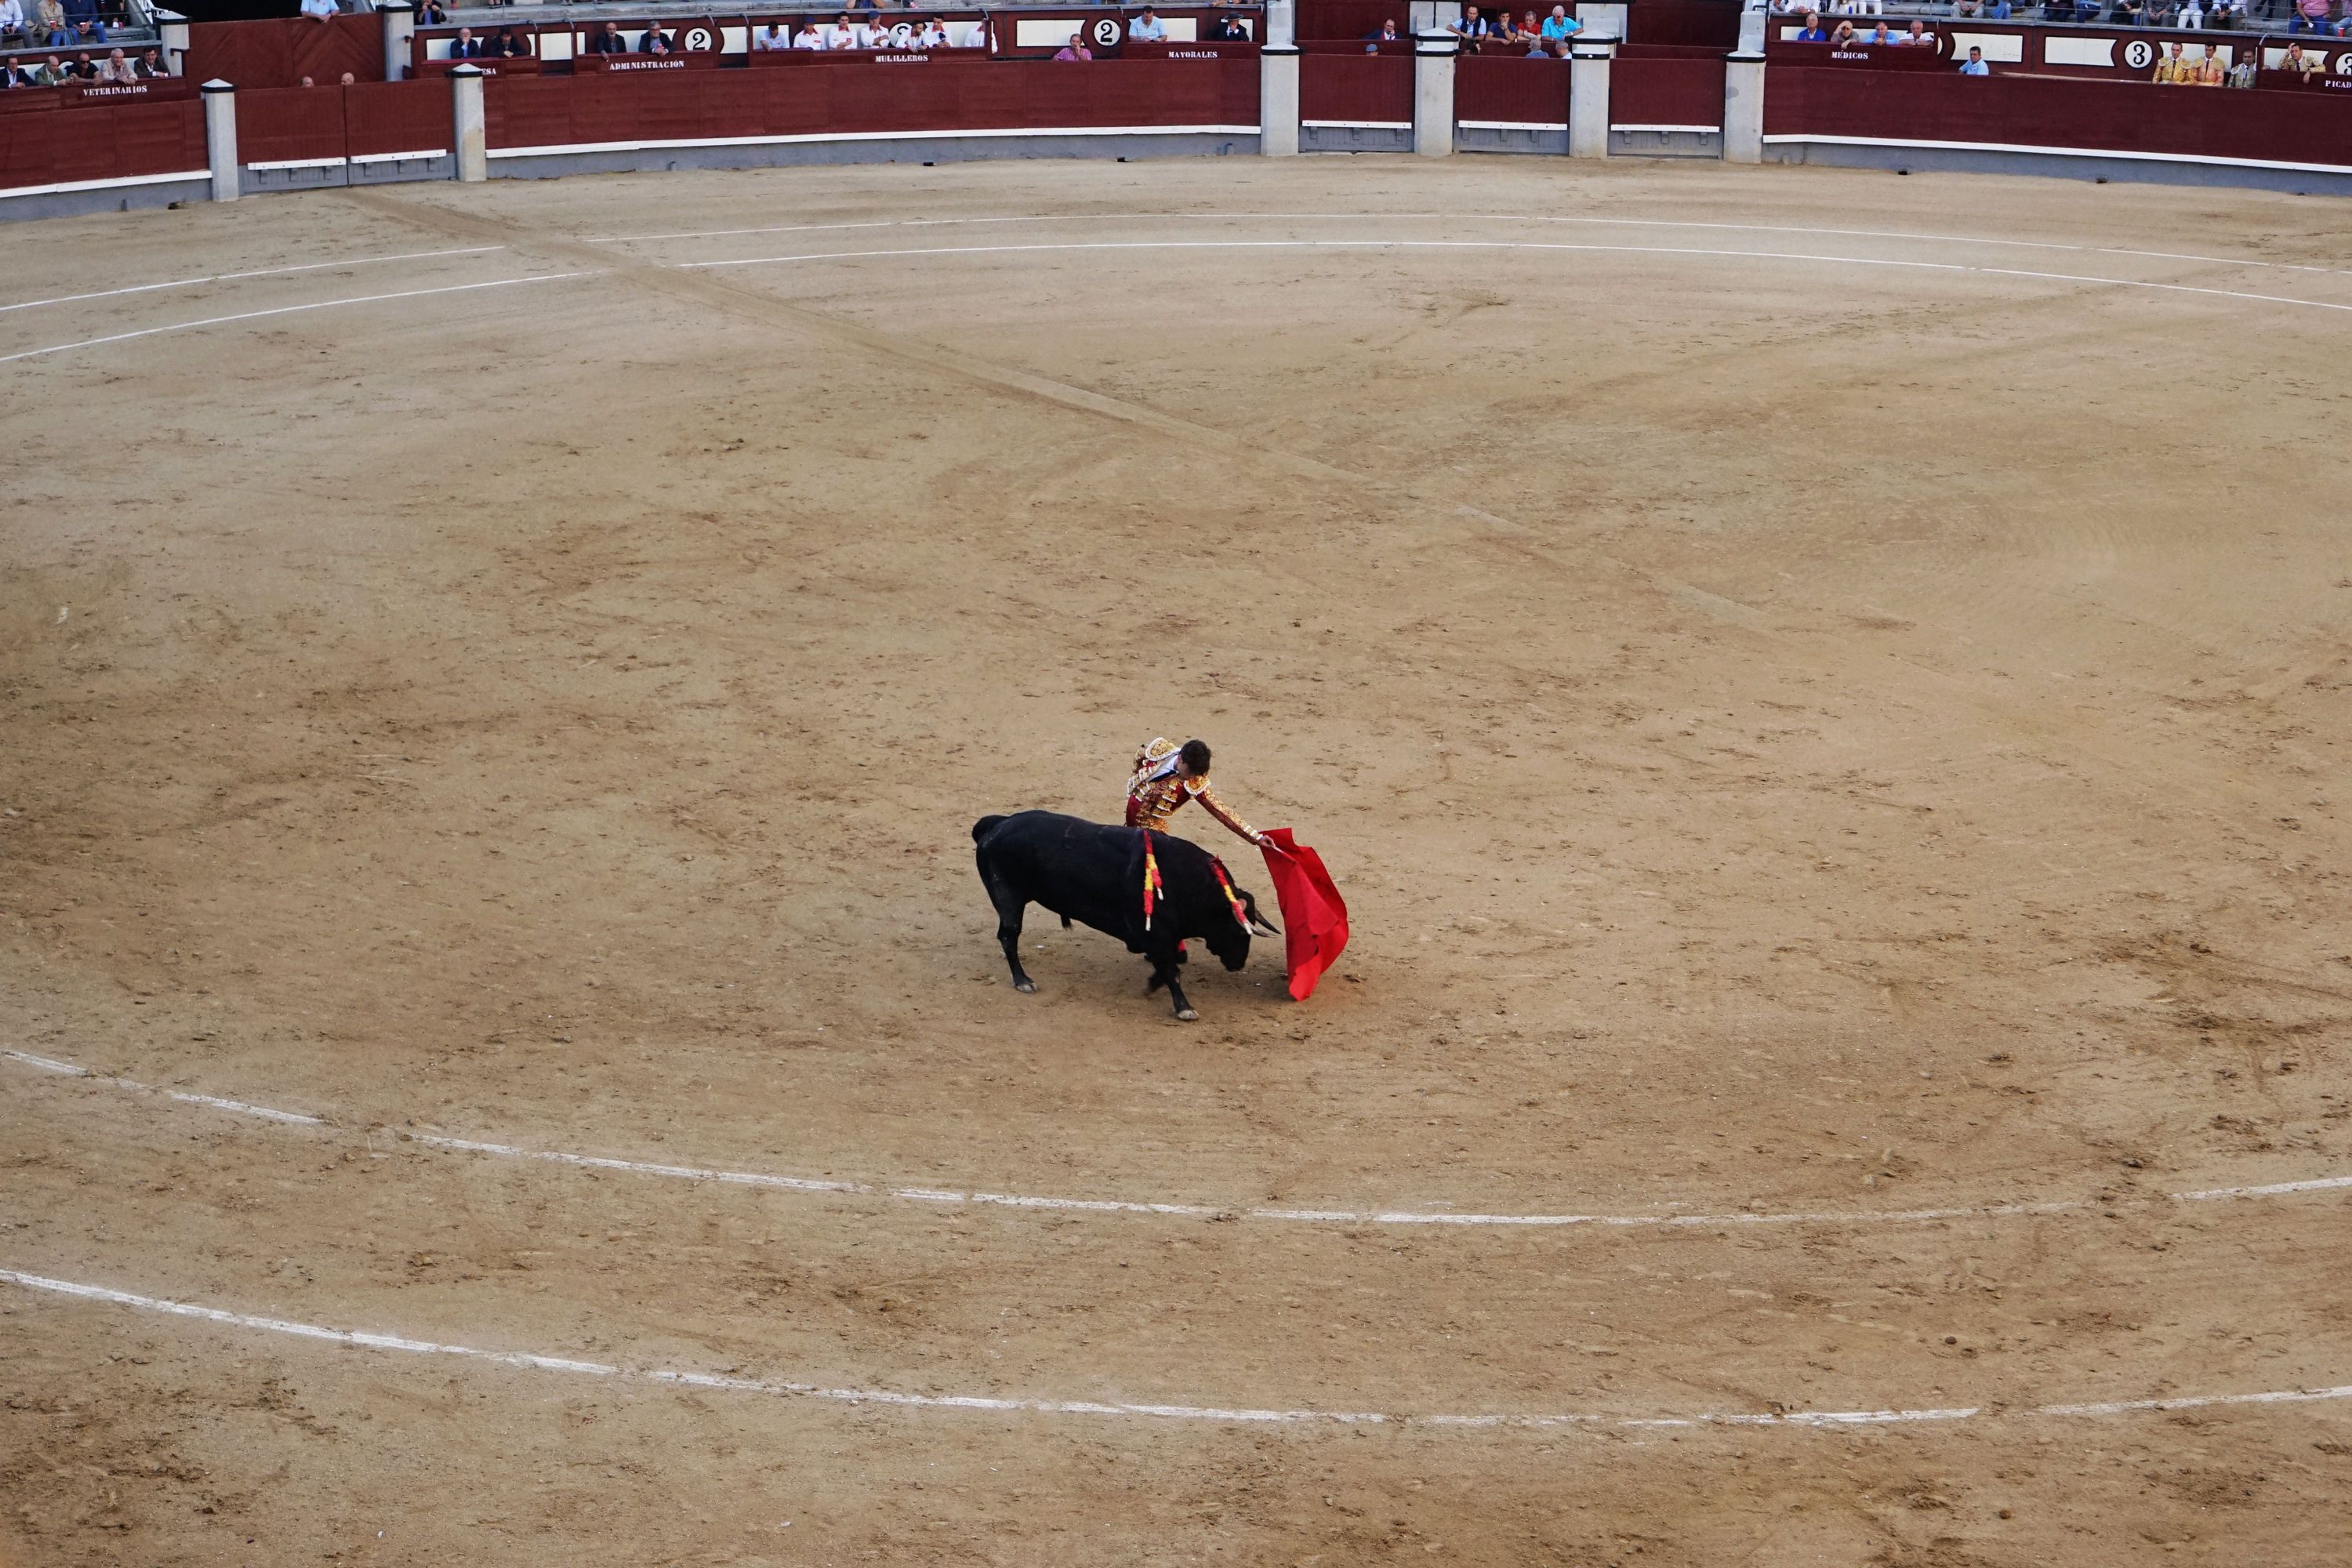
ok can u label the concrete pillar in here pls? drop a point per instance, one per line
(399, 35)
(470, 130)
(220, 139)
(1743, 108)
(1752, 24)
(171, 31)
(1277, 100)
(1431, 15)
(1281, 23)
(1433, 94)
(1588, 97)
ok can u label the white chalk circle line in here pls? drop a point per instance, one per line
(950, 1197)
(728, 1382)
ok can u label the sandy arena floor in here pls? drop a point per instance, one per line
(1827, 693)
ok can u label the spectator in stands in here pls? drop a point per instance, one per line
(2131, 14)
(116, 70)
(1998, 11)
(1975, 64)
(465, 46)
(872, 33)
(2192, 16)
(609, 41)
(842, 34)
(934, 35)
(1473, 29)
(51, 72)
(2311, 17)
(150, 63)
(1148, 28)
(2159, 12)
(1075, 49)
(771, 36)
(506, 46)
(1811, 33)
(12, 22)
(1842, 35)
(320, 10)
(1917, 37)
(430, 14)
(349, 80)
(1231, 30)
(305, 81)
(49, 24)
(2086, 10)
(83, 68)
(1386, 33)
(809, 37)
(1966, 10)
(1879, 38)
(655, 42)
(1560, 27)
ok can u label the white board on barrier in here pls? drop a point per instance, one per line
(2063, 51)
(2009, 49)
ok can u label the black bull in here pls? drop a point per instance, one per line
(1092, 874)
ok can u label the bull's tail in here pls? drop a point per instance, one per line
(980, 829)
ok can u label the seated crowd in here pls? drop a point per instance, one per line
(115, 69)
(1547, 40)
(2325, 18)
(61, 24)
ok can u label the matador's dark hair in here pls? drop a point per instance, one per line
(1194, 756)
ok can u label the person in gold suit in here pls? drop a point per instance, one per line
(1165, 776)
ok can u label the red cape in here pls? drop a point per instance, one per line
(1314, 916)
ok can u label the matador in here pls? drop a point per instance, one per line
(1166, 776)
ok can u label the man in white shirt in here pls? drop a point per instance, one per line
(842, 34)
(11, 19)
(874, 35)
(770, 37)
(933, 36)
(809, 37)
(1148, 28)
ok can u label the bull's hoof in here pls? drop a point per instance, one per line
(1026, 988)
(1187, 1015)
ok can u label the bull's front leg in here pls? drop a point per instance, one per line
(1167, 963)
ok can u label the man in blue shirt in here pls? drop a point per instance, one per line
(1975, 64)
(1998, 11)
(1148, 28)
(1559, 26)
(1811, 33)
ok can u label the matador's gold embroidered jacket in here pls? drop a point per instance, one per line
(1159, 788)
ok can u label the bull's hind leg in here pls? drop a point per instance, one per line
(1009, 907)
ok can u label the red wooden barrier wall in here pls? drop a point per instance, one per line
(281, 53)
(1374, 87)
(282, 124)
(943, 96)
(1519, 90)
(1350, 18)
(1649, 91)
(2060, 111)
(116, 141)
(1715, 22)
(398, 117)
